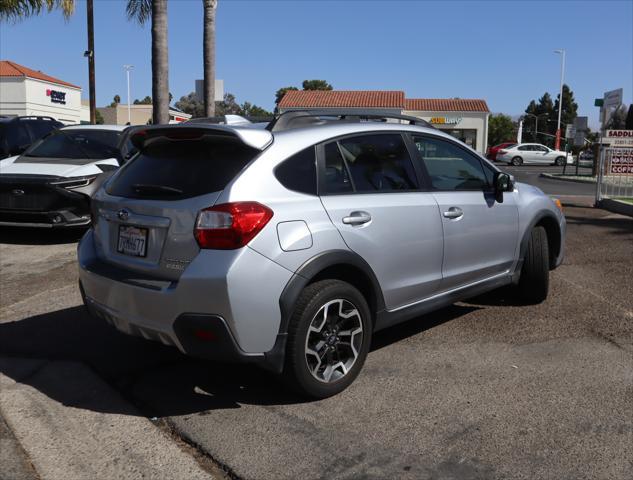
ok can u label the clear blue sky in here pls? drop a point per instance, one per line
(501, 51)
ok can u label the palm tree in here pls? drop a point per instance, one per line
(210, 7)
(16, 10)
(141, 11)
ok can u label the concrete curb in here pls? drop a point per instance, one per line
(616, 206)
(563, 179)
(73, 426)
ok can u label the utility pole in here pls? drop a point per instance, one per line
(560, 99)
(128, 68)
(90, 53)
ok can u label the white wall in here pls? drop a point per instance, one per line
(469, 121)
(38, 103)
(12, 96)
(27, 96)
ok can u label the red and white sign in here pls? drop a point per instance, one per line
(618, 138)
(621, 161)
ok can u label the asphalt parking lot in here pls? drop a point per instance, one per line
(484, 389)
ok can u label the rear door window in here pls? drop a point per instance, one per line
(377, 163)
(182, 168)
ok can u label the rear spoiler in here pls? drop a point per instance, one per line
(254, 138)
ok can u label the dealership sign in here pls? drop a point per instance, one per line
(618, 138)
(445, 120)
(56, 96)
(621, 161)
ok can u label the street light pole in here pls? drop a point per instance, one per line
(129, 113)
(560, 99)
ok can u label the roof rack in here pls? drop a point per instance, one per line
(24, 117)
(303, 118)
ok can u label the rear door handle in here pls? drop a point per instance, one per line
(357, 218)
(453, 212)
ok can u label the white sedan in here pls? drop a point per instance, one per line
(532, 153)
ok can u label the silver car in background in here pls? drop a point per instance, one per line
(289, 246)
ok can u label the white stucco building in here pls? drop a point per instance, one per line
(465, 119)
(24, 91)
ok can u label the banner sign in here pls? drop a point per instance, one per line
(620, 161)
(445, 120)
(618, 138)
(56, 96)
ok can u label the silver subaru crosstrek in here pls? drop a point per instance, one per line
(289, 246)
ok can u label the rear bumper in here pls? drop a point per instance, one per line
(219, 309)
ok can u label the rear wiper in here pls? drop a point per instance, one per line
(149, 189)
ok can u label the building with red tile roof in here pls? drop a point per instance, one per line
(25, 91)
(464, 118)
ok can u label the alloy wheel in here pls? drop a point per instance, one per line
(334, 340)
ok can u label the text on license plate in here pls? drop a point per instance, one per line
(132, 241)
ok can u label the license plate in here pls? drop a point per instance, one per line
(132, 241)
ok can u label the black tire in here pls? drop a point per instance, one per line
(314, 297)
(560, 161)
(534, 281)
(517, 161)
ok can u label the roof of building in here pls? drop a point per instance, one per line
(12, 69)
(446, 105)
(343, 98)
(377, 99)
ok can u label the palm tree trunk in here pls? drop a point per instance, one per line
(209, 56)
(160, 63)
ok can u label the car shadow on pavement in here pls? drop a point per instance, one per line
(157, 379)
(40, 236)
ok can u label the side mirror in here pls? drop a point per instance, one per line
(502, 183)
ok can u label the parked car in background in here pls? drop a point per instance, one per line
(289, 246)
(50, 184)
(585, 159)
(524, 153)
(491, 154)
(18, 133)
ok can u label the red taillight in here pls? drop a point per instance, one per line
(230, 225)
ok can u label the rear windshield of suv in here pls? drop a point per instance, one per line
(182, 168)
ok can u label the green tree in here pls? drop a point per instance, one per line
(281, 92)
(250, 110)
(146, 101)
(99, 118)
(501, 129)
(191, 105)
(569, 111)
(316, 85)
(208, 56)
(15, 10)
(156, 10)
(115, 101)
(228, 106)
